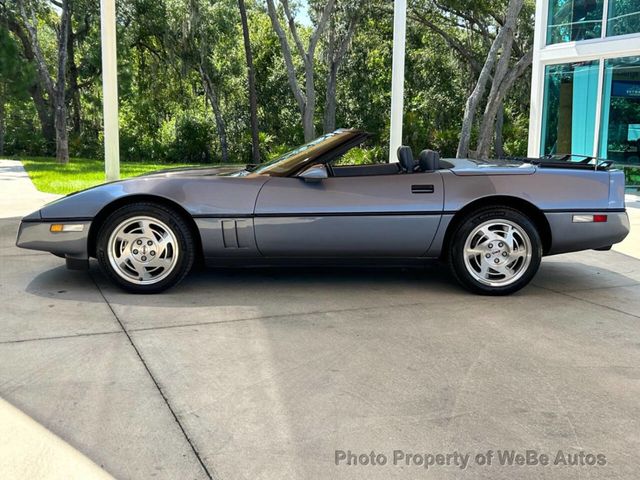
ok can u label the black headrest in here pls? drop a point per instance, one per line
(429, 160)
(405, 156)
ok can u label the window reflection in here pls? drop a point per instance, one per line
(571, 20)
(620, 130)
(569, 112)
(624, 17)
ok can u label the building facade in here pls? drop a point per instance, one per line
(585, 91)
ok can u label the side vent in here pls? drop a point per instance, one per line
(230, 234)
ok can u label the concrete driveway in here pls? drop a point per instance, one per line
(264, 374)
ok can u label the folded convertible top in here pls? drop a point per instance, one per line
(585, 162)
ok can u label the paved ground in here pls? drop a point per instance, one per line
(631, 244)
(264, 374)
(18, 195)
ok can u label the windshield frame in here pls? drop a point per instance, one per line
(319, 150)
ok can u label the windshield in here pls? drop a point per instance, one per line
(303, 155)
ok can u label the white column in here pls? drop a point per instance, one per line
(397, 77)
(110, 90)
(537, 80)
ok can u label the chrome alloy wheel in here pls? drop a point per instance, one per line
(143, 250)
(497, 252)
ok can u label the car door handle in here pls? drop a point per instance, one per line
(422, 189)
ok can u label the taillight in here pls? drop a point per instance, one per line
(589, 218)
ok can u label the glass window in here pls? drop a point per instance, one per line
(620, 125)
(624, 17)
(569, 110)
(571, 20)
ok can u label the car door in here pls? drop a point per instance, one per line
(367, 216)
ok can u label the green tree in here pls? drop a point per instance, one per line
(15, 77)
(186, 69)
(55, 87)
(251, 83)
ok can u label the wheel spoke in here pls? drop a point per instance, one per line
(155, 246)
(128, 265)
(163, 243)
(484, 269)
(129, 238)
(474, 252)
(145, 226)
(508, 238)
(492, 237)
(488, 235)
(159, 262)
(143, 273)
(504, 270)
(508, 258)
(516, 254)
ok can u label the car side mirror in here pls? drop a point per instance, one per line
(314, 174)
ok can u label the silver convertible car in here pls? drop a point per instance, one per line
(491, 221)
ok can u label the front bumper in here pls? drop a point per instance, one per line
(567, 236)
(35, 234)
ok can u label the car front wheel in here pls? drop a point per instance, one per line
(145, 248)
(495, 251)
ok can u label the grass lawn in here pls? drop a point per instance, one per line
(51, 177)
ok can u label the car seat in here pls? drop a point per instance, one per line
(429, 160)
(405, 156)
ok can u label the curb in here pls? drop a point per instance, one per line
(28, 450)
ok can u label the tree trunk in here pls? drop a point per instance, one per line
(45, 115)
(329, 120)
(475, 97)
(43, 106)
(493, 105)
(502, 68)
(307, 100)
(288, 58)
(498, 146)
(55, 91)
(330, 100)
(62, 136)
(335, 59)
(495, 100)
(60, 101)
(2, 122)
(74, 90)
(215, 105)
(251, 80)
(310, 105)
(503, 40)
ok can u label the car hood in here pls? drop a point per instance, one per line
(195, 171)
(166, 173)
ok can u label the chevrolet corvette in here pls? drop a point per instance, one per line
(492, 222)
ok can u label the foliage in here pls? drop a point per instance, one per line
(192, 141)
(166, 115)
(363, 156)
(632, 176)
(15, 77)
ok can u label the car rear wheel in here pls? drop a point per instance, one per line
(145, 248)
(495, 251)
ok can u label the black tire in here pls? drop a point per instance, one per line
(462, 270)
(184, 253)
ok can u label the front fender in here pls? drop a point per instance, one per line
(199, 196)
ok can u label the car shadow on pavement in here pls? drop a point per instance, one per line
(610, 270)
(211, 286)
(221, 286)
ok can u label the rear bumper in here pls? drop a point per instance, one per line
(567, 236)
(35, 234)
